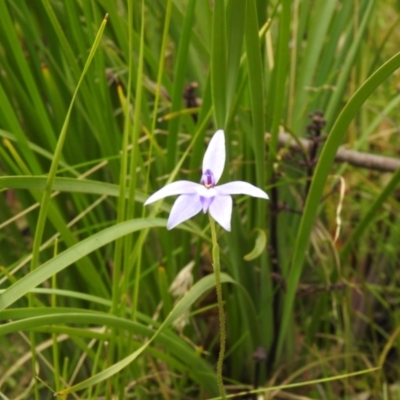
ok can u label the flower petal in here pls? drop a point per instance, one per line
(240, 187)
(206, 202)
(204, 192)
(221, 210)
(172, 189)
(214, 157)
(185, 207)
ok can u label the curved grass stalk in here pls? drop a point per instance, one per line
(320, 176)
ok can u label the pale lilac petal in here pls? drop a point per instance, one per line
(240, 187)
(206, 196)
(206, 202)
(185, 207)
(221, 210)
(172, 189)
(214, 157)
(207, 193)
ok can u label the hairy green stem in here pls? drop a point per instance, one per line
(215, 256)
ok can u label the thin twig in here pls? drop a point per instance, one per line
(356, 158)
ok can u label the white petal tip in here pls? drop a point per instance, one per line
(227, 228)
(170, 225)
(214, 157)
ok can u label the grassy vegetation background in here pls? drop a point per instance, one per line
(97, 112)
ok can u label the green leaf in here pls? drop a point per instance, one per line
(71, 255)
(198, 367)
(317, 185)
(218, 64)
(259, 246)
(256, 82)
(70, 185)
(194, 294)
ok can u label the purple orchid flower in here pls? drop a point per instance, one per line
(207, 197)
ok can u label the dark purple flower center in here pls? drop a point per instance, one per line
(208, 179)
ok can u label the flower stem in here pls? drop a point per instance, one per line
(215, 256)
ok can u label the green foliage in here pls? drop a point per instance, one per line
(98, 112)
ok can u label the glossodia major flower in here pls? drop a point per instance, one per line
(195, 197)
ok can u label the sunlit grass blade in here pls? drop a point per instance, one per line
(235, 24)
(71, 255)
(254, 65)
(320, 23)
(26, 73)
(218, 63)
(300, 384)
(57, 155)
(62, 184)
(179, 82)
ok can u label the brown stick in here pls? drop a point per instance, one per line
(356, 158)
